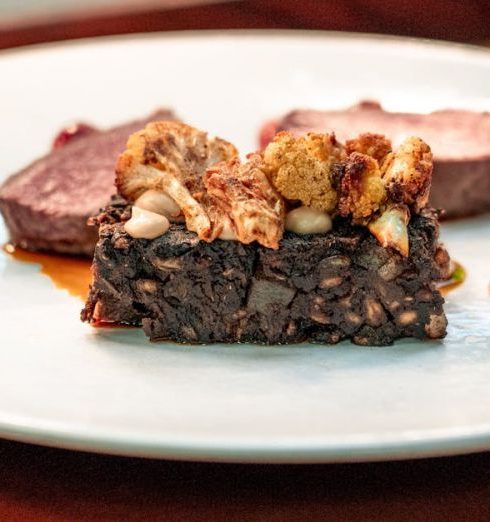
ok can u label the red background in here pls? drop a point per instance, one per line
(463, 20)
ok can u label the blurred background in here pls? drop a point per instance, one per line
(24, 22)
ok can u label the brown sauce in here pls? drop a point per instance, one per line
(66, 272)
(458, 276)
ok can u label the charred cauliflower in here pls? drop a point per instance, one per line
(390, 228)
(221, 197)
(377, 146)
(362, 191)
(244, 193)
(407, 173)
(171, 157)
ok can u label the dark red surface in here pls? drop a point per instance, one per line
(449, 20)
(73, 132)
(46, 484)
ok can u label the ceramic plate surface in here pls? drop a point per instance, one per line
(66, 384)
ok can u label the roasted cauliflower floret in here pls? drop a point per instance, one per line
(301, 168)
(171, 157)
(377, 146)
(390, 228)
(402, 183)
(407, 173)
(244, 194)
(362, 190)
(220, 197)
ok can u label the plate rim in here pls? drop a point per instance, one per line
(310, 34)
(416, 444)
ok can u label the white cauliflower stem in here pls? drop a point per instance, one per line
(390, 229)
(171, 157)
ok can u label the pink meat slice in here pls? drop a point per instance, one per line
(47, 204)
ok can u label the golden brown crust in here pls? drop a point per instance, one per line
(377, 146)
(301, 169)
(181, 150)
(362, 190)
(407, 173)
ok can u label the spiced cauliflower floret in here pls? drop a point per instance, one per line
(220, 197)
(390, 228)
(362, 190)
(242, 193)
(171, 157)
(407, 173)
(302, 168)
(377, 146)
(382, 196)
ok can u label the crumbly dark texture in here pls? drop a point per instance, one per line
(319, 288)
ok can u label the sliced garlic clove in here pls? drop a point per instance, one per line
(308, 220)
(145, 224)
(158, 202)
(390, 229)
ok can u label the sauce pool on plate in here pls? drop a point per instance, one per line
(66, 272)
(458, 276)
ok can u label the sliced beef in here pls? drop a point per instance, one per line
(319, 288)
(460, 142)
(47, 204)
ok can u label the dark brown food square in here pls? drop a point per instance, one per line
(318, 288)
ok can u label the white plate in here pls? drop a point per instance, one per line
(66, 384)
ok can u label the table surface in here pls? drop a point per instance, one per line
(467, 21)
(39, 483)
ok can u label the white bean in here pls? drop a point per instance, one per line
(228, 233)
(158, 202)
(307, 220)
(145, 224)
